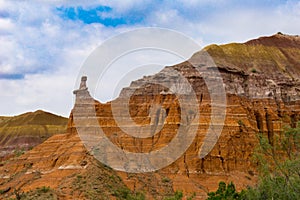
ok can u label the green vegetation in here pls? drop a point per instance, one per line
(19, 152)
(37, 118)
(192, 196)
(279, 170)
(103, 183)
(43, 193)
(166, 180)
(43, 189)
(30, 124)
(240, 55)
(253, 70)
(279, 167)
(126, 194)
(2, 191)
(79, 177)
(241, 123)
(177, 196)
(224, 192)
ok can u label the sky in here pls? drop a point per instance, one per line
(43, 44)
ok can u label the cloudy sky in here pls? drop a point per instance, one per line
(44, 43)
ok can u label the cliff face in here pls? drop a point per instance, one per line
(22, 132)
(261, 80)
(270, 64)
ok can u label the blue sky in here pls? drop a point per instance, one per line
(44, 43)
(95, 14)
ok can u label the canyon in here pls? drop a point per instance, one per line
(217, 102)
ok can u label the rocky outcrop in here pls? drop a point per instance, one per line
(270, 66)
(62, 164)
(261, 84)
(261, 80)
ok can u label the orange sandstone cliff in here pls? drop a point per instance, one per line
(261, 81)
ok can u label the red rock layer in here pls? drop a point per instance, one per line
(261, 80)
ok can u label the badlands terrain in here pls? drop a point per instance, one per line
(262, 93)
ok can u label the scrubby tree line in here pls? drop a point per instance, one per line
(279, 170)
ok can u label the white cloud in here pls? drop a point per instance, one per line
(240, 25)
(49, 50)
(6, 26)
(47, 92)
(228, 21)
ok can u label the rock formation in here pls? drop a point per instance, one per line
(261, 80)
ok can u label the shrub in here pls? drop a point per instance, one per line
(19, 152)
(177, 196)
(192, 196)
(165, 180)
(253, 70)
(279, 167)
(224, 192)
(241, 123)
(43, 189)
(125, 193)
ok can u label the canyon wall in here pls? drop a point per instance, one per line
(261, 83)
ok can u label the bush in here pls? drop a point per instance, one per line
(253, 70)
(279, 170)
(279, 167)
(241, 123)
(272, 188)
(166, 180)
(19, 152)
(224, 192)
(126, 194)
(177, 196)
(44, 189)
